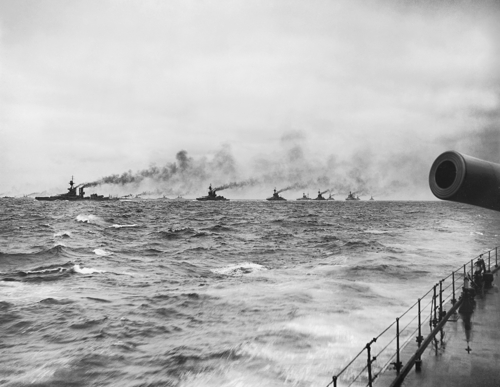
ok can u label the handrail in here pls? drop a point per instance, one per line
(439, 294)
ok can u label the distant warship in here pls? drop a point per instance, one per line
(352, 197)
(372, 198)
(276, 196)
(304, 197)
(320, 195)
(73, 196)
(330, 197)
(212, 195)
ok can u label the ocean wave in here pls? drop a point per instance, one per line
(173, 233)
(87, 323)
(398, 271)
(239, 269)
(376, 232)
(86, 270)
(53, 301)
(59, 250)
(62, 234)
(49, 273)
(41, 273)
(218, 228)
(364, 244)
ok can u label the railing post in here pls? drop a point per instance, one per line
(398, 363)
(453, 300)
(489, 260)
(440, 300)
(334, 381)
(472, 268)
(369, 364)
(418, 361)
(434, 297)
(496, 256)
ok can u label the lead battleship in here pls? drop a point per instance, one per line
(72, 195)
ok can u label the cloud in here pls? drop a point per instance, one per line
(91, 88)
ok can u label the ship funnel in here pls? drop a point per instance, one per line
(465, 179)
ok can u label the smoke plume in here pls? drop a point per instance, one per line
(238, 184)
(293, 187)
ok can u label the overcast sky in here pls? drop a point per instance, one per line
(348, 95)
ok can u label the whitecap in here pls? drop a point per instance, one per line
(102, 252)
(62, 234)
(123, 225)
(375, 231)
(89, 219)
(86, 270)
(239, 269)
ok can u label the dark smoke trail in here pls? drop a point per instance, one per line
(324, 192)
(293, 186)
(238, 184)
(159, 174)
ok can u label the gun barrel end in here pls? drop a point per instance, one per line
(447, 174)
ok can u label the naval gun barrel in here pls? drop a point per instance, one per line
(465, 179)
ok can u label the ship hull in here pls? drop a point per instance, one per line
(207, 199)
(71, 199)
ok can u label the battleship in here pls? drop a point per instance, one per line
(212, 195)
(304, 197)
(276, 196)
(320, 195)
(330, 196)
(352, 197)
(72, 195)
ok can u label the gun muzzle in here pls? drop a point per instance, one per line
(465, 179)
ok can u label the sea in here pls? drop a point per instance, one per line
(231, 294)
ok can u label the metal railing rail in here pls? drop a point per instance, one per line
(429, 309)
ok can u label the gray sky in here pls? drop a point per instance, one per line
(318, 94)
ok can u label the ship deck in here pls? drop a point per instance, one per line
(462, 357)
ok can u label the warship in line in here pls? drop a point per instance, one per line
(352, 197)
(212, 195)
(320, 195)
(330, 197)
(72, 195)
(304, 197)
(276, 196)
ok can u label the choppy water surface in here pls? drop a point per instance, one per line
(242, 293)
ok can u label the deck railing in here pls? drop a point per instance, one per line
(385, 350)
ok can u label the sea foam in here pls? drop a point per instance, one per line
(86, 270)
(102, 252)
(239, 269)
